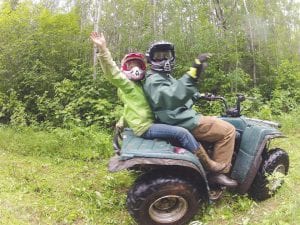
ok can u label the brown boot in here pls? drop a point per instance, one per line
(208, 163)
(222, 179)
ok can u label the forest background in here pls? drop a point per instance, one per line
(54, 101)
(46, 57)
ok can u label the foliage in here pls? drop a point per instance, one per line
(76, 101)
(51, 81)
(12, 110)
(46, 56)
(59, 176)
(81, 143)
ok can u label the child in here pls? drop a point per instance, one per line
(137, 112)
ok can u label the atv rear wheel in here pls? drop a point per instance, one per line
(271, 174)
(161, 198)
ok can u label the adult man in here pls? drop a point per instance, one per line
(171, 102)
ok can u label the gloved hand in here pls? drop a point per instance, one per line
(204, 57)
(199, 65)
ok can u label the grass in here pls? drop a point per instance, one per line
(42, 190)
(61, 177)
(79, 143)
(44, 182)
(282, 209)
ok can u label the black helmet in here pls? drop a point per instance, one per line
(161, 56)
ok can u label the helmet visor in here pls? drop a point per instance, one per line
(133, 63)
(162, 55)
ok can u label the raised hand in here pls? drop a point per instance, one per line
(98, 39)
(204, 57)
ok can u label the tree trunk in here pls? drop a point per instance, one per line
(14, 4)
(251, 44)
(220, 15)
(96, 18)
(154, 17)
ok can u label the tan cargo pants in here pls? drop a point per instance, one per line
(219, 132)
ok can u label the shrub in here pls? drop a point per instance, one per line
(11, 109)
(81, 143)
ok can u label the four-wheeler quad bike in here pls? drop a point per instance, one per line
(172, 186)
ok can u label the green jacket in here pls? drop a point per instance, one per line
(171, 99)
(137, 112)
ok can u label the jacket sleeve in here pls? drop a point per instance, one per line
(112, 72)
(167, 92)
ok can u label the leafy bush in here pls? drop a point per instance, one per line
(282, 102)
(288, 78)
(12, 110)
(50, 82)
(77, 143)
(45, 74)
(290, 121)
(80, 100)
(239, 80)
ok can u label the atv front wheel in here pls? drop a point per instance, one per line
(271, 174)
(161, 198)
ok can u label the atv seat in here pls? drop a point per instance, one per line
(136, 147)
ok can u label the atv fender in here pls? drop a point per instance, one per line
(254, 166)
(115, 164)
(139, 152)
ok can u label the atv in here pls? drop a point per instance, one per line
(172, 185)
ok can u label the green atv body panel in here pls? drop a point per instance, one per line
(136, 147)
(140, 152)
(254, 135)
(252, 138)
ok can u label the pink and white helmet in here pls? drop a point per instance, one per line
(133, 65)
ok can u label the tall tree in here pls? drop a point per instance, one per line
(96, 18)
(250, 27)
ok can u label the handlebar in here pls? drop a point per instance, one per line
(211, 97)
(231, 112)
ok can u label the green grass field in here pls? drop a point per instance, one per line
(61, 177)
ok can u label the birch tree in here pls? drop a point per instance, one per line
(96, 17)
(251, 43)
